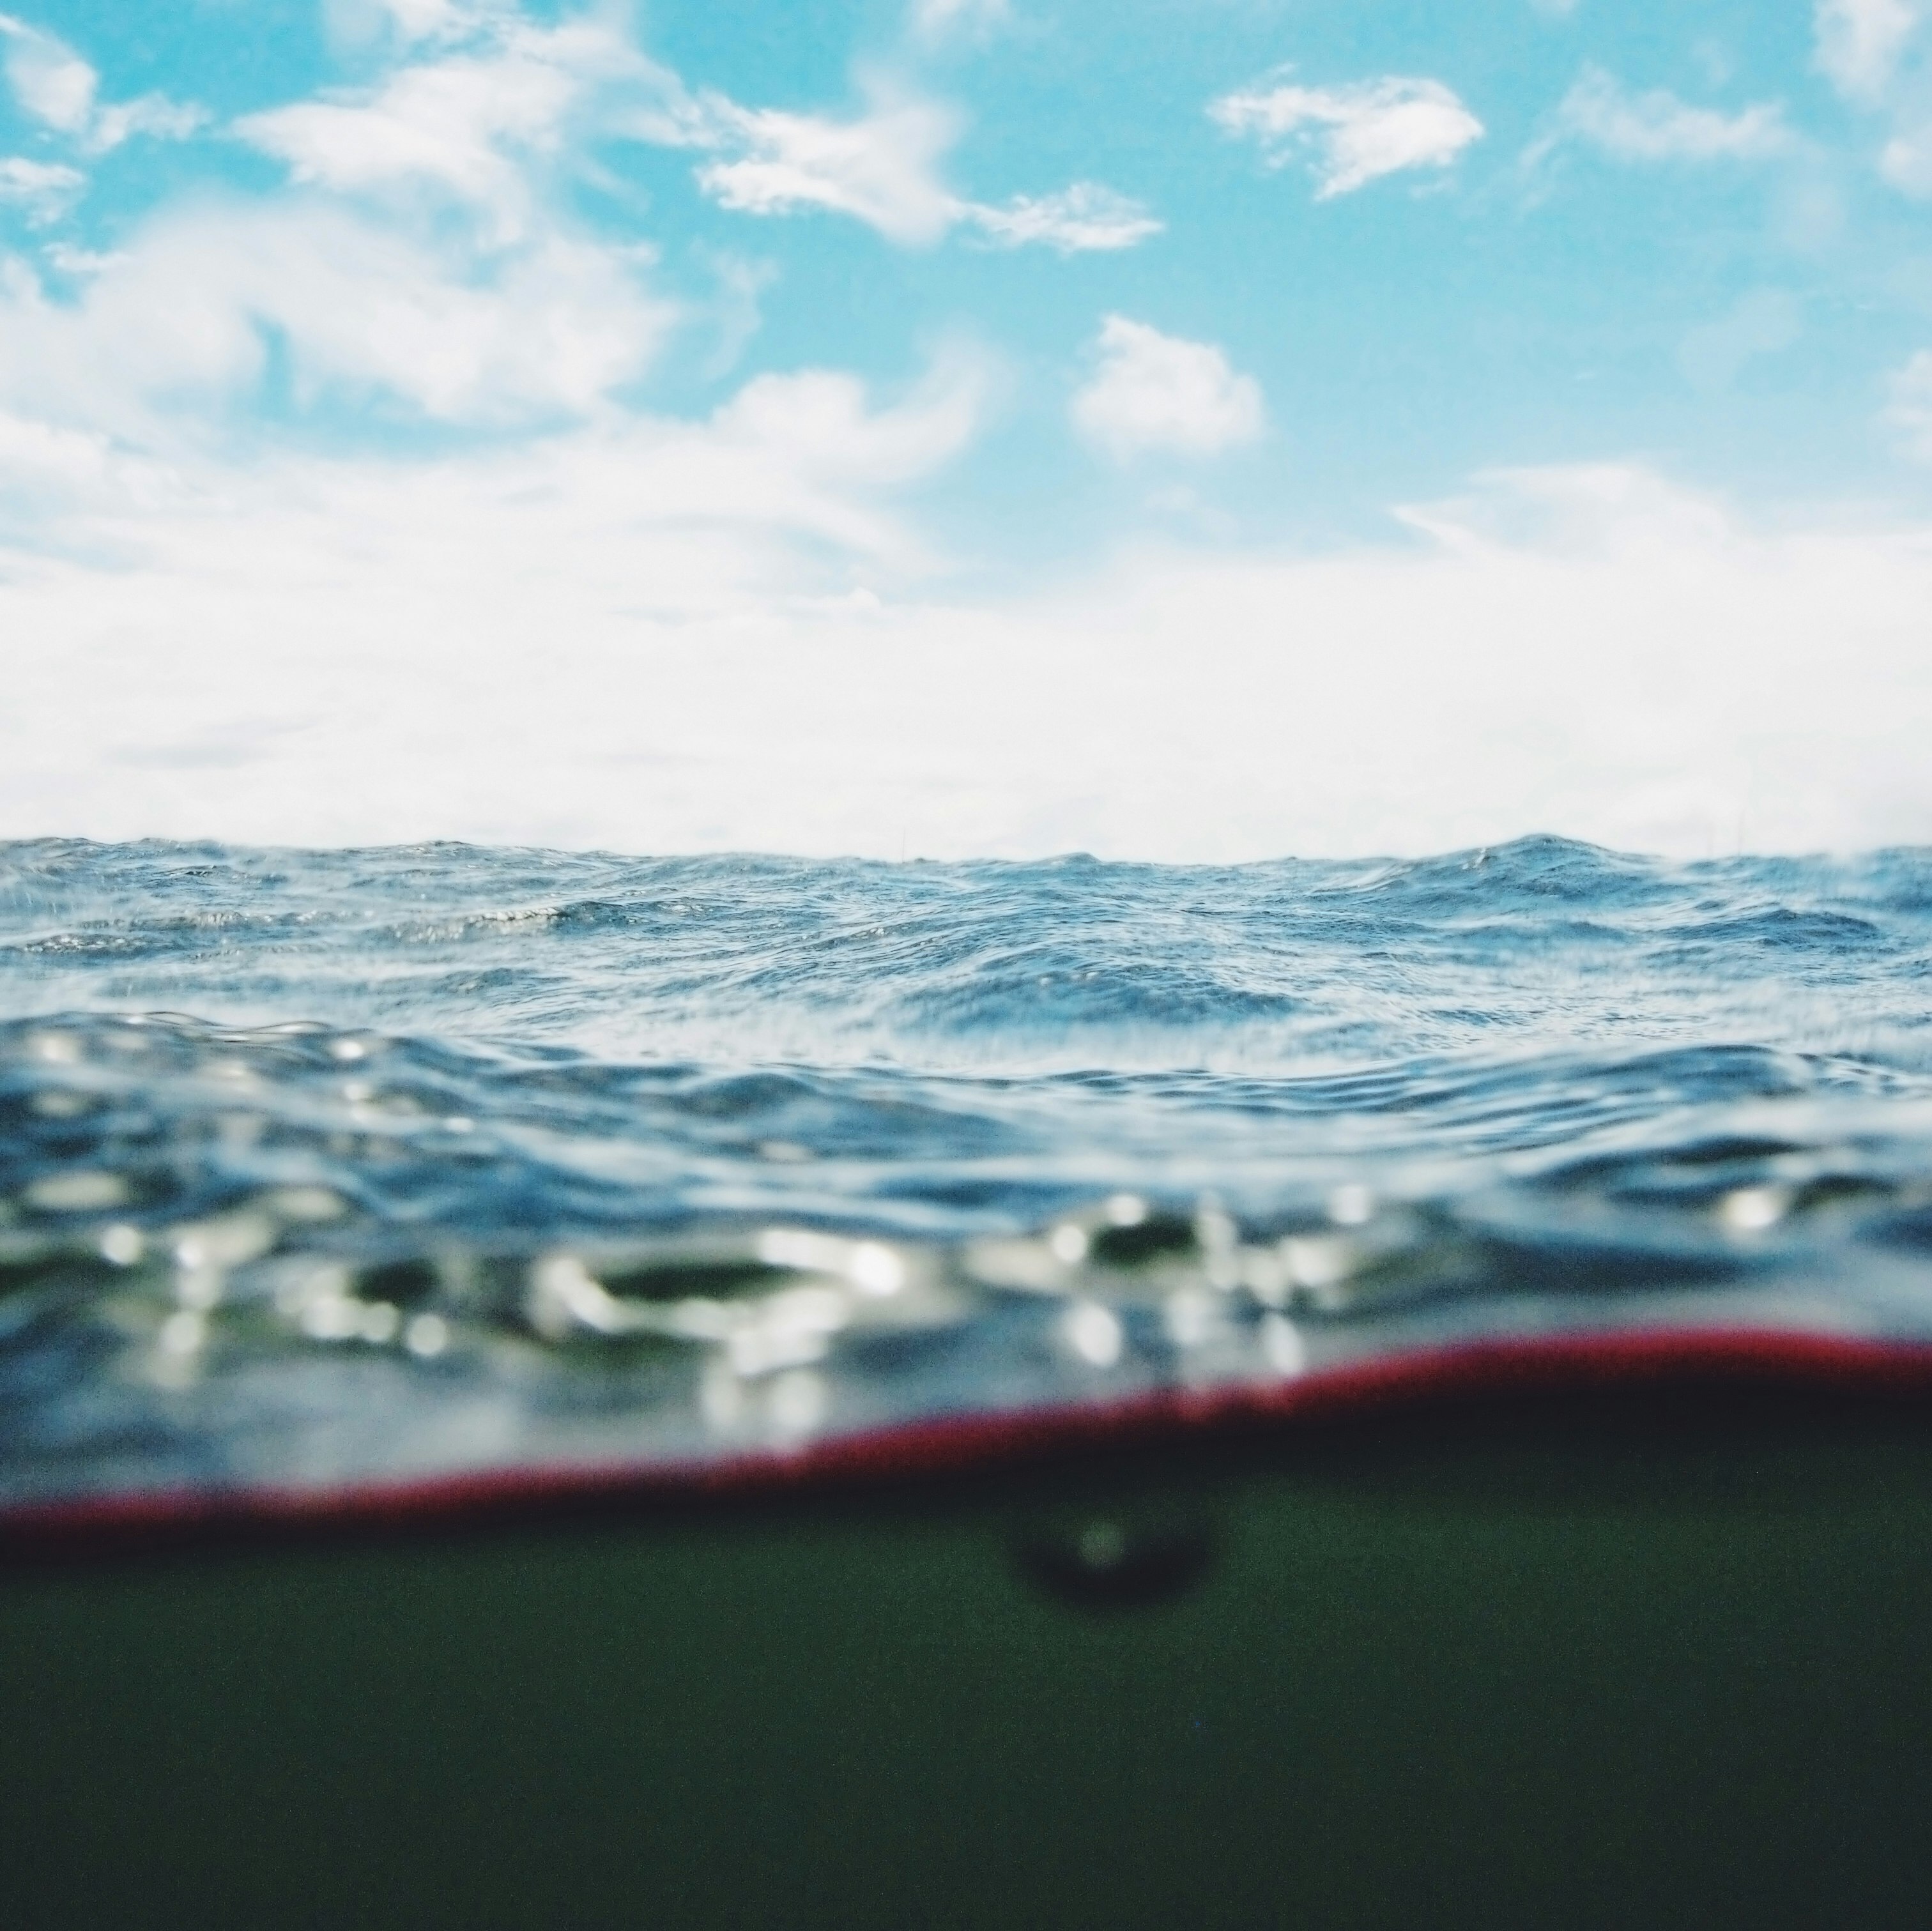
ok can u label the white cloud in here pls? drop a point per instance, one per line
(50, 81)
(151, 114)
(1155, 392)
(341, 288)
(310, 609)
(78, 262)
(355, 299)
(817, 425)
(52, 479)
(43, 188)
(1860, 42)
(1617, 513)
(469, 125)
(1357, 133)
(1085, 217)
(881, 168)
(58, 89)
(657, 638)
(1909, 409)
(1657, 126)
(684, 517)
(172, 326)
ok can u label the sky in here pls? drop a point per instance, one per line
(1179, 430)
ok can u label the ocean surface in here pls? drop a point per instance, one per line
(339, 1168)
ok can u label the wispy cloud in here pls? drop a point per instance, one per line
(1353, 134)
(1085, 218)
(468, 125)
(55, 87)
(1655, 126)
(44, 189)
(882, 168)
(1152, 392)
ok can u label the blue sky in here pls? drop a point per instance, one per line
(1203, 429)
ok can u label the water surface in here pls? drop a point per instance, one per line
(368, 1165)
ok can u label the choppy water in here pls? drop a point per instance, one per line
(325, 1168)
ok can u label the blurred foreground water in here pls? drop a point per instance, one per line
(320, 1169)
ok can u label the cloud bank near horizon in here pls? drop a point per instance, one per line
(638, 664)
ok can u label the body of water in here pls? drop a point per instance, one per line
(321, 1169)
